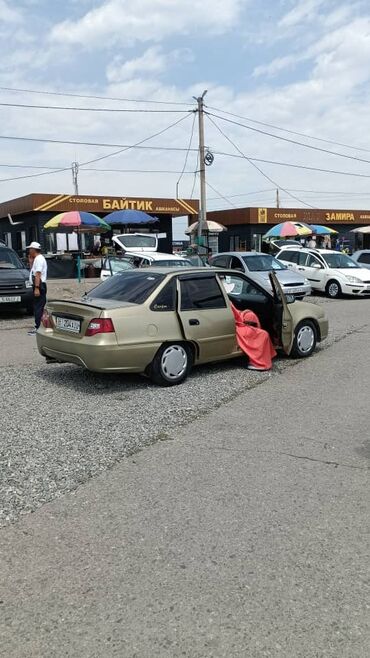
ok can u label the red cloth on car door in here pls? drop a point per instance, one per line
(252, 340)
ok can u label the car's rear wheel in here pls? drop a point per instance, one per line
(333, 289)
(305, 339)
(171, 365)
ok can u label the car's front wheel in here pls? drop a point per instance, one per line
(333, 289)
(305, 339)
(171, 365)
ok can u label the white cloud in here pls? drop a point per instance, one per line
(276, 66)
(8, 14)
(304, 11)
(152, 61)
(128, 21)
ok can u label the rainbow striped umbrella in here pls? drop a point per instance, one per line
(288, 230)
(76, 220)
(318, 229)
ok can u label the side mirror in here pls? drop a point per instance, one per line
(316, 266)
(290, 299)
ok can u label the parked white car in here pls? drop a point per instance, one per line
(139, 250)
(328, 271)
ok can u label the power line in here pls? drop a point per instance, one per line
(95, 97)
(125, 148)
(92, 109)
(186, 156)
(138, 144)
(290, 141)
(256, 166)
(290, 164)
(100, 144)
(220, 195)
(233, 196)
(291, 132)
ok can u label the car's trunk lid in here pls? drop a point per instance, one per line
(71, 318)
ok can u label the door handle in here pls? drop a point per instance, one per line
(194, 322)
(300, 268)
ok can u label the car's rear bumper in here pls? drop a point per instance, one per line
(97, 356)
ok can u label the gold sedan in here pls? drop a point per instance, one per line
(161, 322)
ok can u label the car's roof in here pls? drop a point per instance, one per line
(157, 255)
(242, 253)
(310, 251)
(150, 255)
(361, 251)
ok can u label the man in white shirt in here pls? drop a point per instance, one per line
(312, 242)
(38, 275)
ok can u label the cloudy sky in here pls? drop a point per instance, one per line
(295, 69)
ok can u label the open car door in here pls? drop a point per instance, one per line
(285, 326)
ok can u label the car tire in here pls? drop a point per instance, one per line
(305, 339)
(333, 289)
(171, 365)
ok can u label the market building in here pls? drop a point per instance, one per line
(246, 226)
(22, 220)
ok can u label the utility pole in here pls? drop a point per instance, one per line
(202, 169)
(277, 198)
(75, 168)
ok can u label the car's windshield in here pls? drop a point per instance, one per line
(133, 286)
(262, 263)
(339, 261)
(135, 241)
(9, 260)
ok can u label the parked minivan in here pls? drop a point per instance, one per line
(15, 287)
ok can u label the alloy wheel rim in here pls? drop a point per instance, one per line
(174, 362)
(333, 289)
(305, 339)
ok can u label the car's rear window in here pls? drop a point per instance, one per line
(130, 286)
(171, 263)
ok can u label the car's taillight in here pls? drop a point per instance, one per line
(46, 320)
(100, 326)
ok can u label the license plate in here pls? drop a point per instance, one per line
(9, 300)
(67, 324)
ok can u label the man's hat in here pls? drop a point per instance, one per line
(34, 245)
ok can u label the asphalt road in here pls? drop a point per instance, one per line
(244, 531)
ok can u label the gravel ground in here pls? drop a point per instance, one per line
(66, 425)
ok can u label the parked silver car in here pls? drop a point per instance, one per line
(258, 266)
(362, 257)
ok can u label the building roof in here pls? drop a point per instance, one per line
(237, 216)
(97, 204)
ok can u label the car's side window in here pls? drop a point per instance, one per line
(201, 293)
(166, 299)
(302, 257)
(312, 261)
(364, 258)
(295, 257)
(236, 264)
(236, 286)
(220, 261)
(285, 255)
